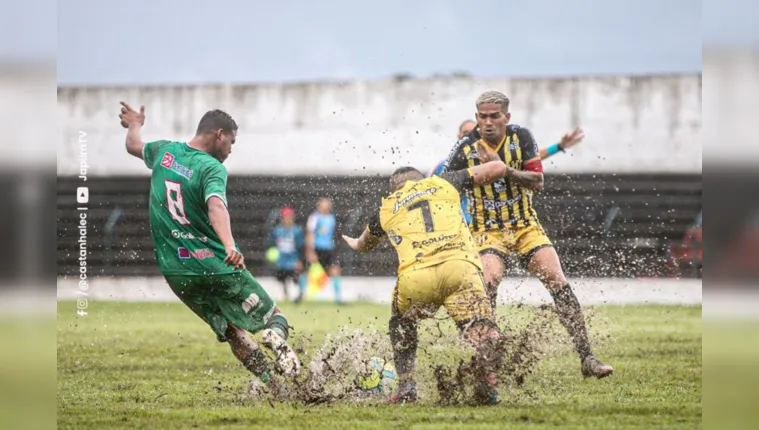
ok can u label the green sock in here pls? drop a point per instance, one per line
(278, 324)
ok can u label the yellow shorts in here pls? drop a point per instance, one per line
(455, 284)
(524, 242)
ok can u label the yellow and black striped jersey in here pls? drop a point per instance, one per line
(504, 202)
(425, 224)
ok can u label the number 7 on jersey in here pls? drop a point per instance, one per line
(424, 205)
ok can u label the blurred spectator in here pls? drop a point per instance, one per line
(287, 238)
(320, 245)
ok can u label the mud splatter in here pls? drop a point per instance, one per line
(446, 372)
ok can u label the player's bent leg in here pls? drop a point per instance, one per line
(416, 296)
(486, 338)
(192, 291)
(469, 306)
(247, 352)
(545, 264)
(246, 304)
(404, 340)
(492, 272)
(254, 360)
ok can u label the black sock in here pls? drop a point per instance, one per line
(570, 315)
(490, 353)
(258, 364)
(403, 336)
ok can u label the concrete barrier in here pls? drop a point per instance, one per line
(633, 124)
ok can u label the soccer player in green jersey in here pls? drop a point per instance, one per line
(194, 247)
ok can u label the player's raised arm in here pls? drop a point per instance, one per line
(133, 121)
(370, 238)
(567, 141)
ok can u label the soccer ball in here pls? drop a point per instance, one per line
(377, 376)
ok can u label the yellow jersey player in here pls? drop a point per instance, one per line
(504, 219)
(438, 266)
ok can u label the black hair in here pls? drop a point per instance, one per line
(216, 119)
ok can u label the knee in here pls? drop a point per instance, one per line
(492, 274)
(334, 271)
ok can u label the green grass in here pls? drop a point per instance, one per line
(149, 365)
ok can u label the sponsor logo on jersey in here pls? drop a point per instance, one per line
(445, 247)
(170, 163)
(182, 235)
(394, 237)
(432, 241)
(251, 302)
(411, 197)
(167, 159)
(452, 245)
(492, 204)
(200, 254)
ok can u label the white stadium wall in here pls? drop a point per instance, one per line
(633, 124)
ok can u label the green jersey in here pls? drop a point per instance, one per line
(183, 180)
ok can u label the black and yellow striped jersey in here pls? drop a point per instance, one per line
(504, 202)
(424, 222)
